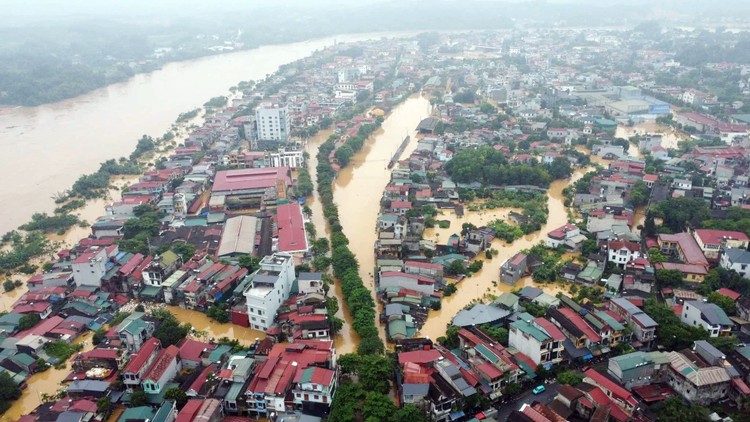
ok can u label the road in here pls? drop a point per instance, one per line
(546, 397)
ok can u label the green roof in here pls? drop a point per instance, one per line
(632, 360)
(307, 375)
(23, 359)
(83, 307)
(234, 391)
(134, 327)
(397, 327)
(390, 263)
(218, 352)
(164, 411)
(486, 353)
(11, 318)
(530, 329)
(610, 321)
(168, 258)
(137, 413)
(506, 299)
(151, 291)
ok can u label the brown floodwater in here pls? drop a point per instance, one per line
(359, 187)
(670, 138)
(207, 328)
(47, 382)
(347, 339)
(485, 284)
(44, 149)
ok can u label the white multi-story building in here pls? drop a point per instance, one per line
(284, 158)
(707, 315)
(273, 122)
(90, 267)
(538, 339)
(269, 287)
(736, 259)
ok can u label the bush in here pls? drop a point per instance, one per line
(450, 289)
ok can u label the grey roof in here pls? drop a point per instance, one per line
(392, 309)
(479, 314)
(636, 313)
(415, 389)
(309, 276)
(712, 313)
(70, 417)
(88, 385)
(738, 256)
(707, 351)
(530, 292)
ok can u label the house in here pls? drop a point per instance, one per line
(712, 241)
(690, 272)
(619, 396)
(400, 207)
(643, 326)
(621, 252)
(569, 236)
(192, 353)
(406, 281)
(134, 330)
(737, 260)
(162, 370)
(267, 288)
(514, 268)
(292, 237)
(695, 381)
(537, 338)
(424, 269)
(90, 267)
(639, 368)
(310, 283)
(683, 246)
(313, 390)
(490, 362)
(133, 373)
(160, 268)
(707, 315)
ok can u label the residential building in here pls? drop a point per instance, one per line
(621, 252)
(134, 330)
(292, 237)
(695, 381)
(90, 267)
(514, 268)
(537, 338)
(314, 389)
(407, 281)
(639, 368)
(619, 396)
(737, 260)
(284, 158)
(643, 326)
(424, 269)
(683, 246)
(712, 241)
(268, 287)
(310, 283)
(162, 370)
(569, 236)
(273, 123)
(140, 362)
(707, 315)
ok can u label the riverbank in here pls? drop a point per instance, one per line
(100, 124)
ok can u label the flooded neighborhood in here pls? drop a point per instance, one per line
(543, 221)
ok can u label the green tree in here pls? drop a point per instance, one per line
(176, 394)
(378, 407)
(104, 406)
(639, 194)
(169, 332)
(8, 285)
(9, 391)
(649, 226)
(409, 413)
(674, 409)
(28, 321)
(375, 373)
(343, 154)
(252, 263)
(184, 250)
(138, 398)
(678, 213)
(724, 302)
(560, 168)
(668, 278)
(569, 378)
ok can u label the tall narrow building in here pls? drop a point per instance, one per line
(272, 121)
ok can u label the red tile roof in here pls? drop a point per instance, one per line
(688, 245)
(716, 237)
(188, 412)
(622, 244)
(139, 359)
(162, 362)
(198, 383)
(291, 226)
(427, 265)
(192, 349)
(249, 179)
(617, 391)
(419, 356)
(729, 293)
(581, 324)
(550, 328)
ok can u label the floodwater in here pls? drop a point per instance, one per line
(359, 187)
(207, 328)
(670, 138)
(44, 149)
(485, 284)
(347, 340)
(47, 382)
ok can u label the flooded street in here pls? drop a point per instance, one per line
(47, 382)
(359, 187)
(486, 282)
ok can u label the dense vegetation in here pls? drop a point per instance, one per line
(9, 391)
(304, 183)
(169, 331)
(490, 167)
